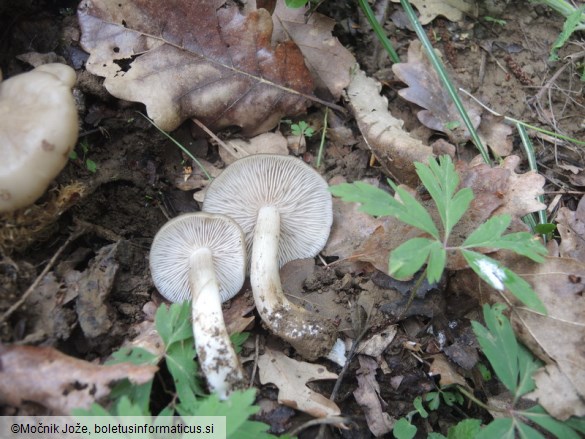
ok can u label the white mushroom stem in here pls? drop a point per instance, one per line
(216, 355)
(311, 335)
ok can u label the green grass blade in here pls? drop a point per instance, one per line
(438, 65)
(378, 30)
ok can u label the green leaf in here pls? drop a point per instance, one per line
(183, 368)
(486, 375)
(238, 340)
(376, 202)
(527, 365)
(409, 257)
(569, 26)
(489, 231)
(466, 429)
(489, 234)
(527, 432)
(502, 428)
(91, 165)
(237, 408)
(500, 277)
(433, 399)
(436, 263)
(173, 323)
(499, 345)
(451, 398)
(295, 4)
(441, 180)
(545, 229)
(133, 355)
(418, 405)
(403, 429)
(539, 416)
(73, 155)
(138, 395)
(578, 424)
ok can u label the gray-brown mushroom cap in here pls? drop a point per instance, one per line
(178, 238)
(299, 193)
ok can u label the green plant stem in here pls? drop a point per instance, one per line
(472, 398)
(440, 69)
(181, 147)
(367, 10)
(322, 144)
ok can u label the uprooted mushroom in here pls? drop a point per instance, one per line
(285, 210)
(38, 129)
(201, 256)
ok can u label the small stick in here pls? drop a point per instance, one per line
(214, 137)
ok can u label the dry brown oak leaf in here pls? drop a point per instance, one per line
(426, 90)
(195, 59)
(59, 382)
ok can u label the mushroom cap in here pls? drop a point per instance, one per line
(299, 193)
(38, 129)
(178, 238)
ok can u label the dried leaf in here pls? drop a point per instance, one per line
(377, 343)
(394, 148)
(61, 383)
(451, 9)
(329, 62)
(195, 59)
(291, 377)
(571, 227)
(442, 366)
(368, 397)
(267, 143)
(426, 90)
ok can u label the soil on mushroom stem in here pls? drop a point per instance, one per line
(132, 190)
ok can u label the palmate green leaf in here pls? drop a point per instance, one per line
(539, 416)
(376, 202)
(174, 323)
(499, 345)
(409, 257)
(500, 277)
(502, 428)
(441, 180)
(237, 409)
(489, 234)
(183, 368)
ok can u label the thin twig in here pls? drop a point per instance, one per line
(214, 137)
(74, 235)
(336, 420)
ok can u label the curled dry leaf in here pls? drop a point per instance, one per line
(195, 59)
(291, 378)
(571, 227)
(329, 62)
(368, 397)
(426, 90)
(394, 148)
(58, 382)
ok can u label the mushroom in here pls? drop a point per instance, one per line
(202, 256)
(285, 210)
(38, 129)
